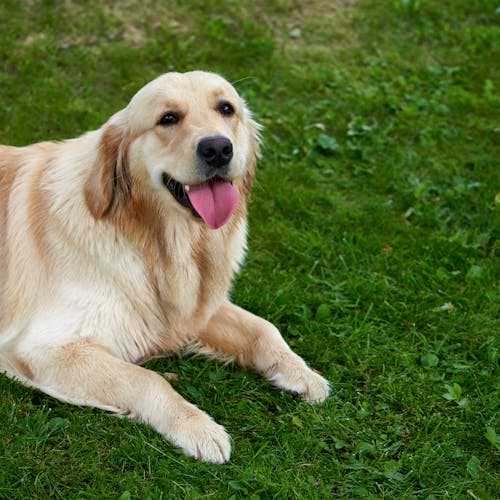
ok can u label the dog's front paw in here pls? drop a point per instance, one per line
(299, 379)
(317, 388)
(202, 438)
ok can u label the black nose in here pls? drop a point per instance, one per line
(215, 151)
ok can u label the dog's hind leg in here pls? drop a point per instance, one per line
(85, 373)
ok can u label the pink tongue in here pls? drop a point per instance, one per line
(215, 201)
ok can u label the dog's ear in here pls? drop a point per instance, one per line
(109, 184)
(255, 141)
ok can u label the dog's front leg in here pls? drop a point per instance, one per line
(85, 373)
(254, 343)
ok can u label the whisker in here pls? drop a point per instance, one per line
(243, 79)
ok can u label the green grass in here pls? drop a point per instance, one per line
(374, 243)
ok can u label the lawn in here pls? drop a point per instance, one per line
(374, 247)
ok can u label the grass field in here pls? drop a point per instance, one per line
(374, 244)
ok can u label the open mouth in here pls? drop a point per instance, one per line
(213, 201)
(178, 192)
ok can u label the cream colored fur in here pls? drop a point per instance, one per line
(101, 268)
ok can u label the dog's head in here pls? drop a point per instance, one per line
(189, 138)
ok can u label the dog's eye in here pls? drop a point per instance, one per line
(225, 109)
(169, 118)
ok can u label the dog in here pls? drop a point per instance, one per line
(120, 245)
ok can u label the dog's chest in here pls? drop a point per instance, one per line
(157, 300)
(197, 273)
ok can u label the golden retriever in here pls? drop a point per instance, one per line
(121, 245)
